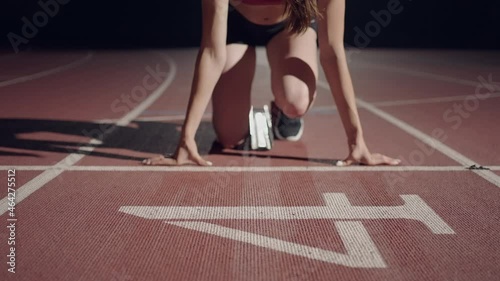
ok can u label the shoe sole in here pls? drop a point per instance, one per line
(261, 135)
(291, 138)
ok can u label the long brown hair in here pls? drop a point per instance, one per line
(300, 13)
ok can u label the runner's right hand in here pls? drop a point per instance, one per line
(186, 154)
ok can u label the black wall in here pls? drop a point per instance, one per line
(176, 23)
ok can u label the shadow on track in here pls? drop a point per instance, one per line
(139, 136)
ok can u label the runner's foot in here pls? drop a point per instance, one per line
(284, 127)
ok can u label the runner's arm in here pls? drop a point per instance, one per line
(334, 63)
(209, 63)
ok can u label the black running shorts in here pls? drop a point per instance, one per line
(242, 31)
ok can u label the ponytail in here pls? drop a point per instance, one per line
(300, 13)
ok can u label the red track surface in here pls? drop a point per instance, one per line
(90, 211)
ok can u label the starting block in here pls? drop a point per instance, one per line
(261, 133)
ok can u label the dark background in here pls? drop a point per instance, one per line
(176, 23)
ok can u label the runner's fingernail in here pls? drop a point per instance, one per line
(340, 164)
(209, 163)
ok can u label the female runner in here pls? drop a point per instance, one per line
(225, 68)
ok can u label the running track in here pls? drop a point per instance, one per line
(75, 125)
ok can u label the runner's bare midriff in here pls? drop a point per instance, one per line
(264, 15)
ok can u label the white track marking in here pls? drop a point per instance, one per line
(441, 147)
(337, 207)
(157, 118)
(318, 109)
(48, 175)
(40, 180)
(331, 108)
(170, 118)
(434, 143)
(222, 169)
(416, 73)
(361, 252)
(25, 168)
(315, 109)
(136, 112)
(47, 72)
(427, 100)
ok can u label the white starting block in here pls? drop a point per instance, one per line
(261, 133)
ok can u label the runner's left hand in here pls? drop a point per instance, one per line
(359, 154)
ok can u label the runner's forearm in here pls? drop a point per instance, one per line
(334, 64)
(209, 66)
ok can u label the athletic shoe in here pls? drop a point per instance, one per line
(284, 127)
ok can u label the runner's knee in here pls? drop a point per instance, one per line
(297, 100)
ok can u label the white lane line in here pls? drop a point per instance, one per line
(315, 109)
(427, 100)
(158, 118)
(361, 251)
(255, 169)
(25, 168)
(40, 180)
(446, 150)
(416, 73)
(136, 112)
(324, 109)
(47, 72)
(441, 147)
(332, 108)
(48, 175)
